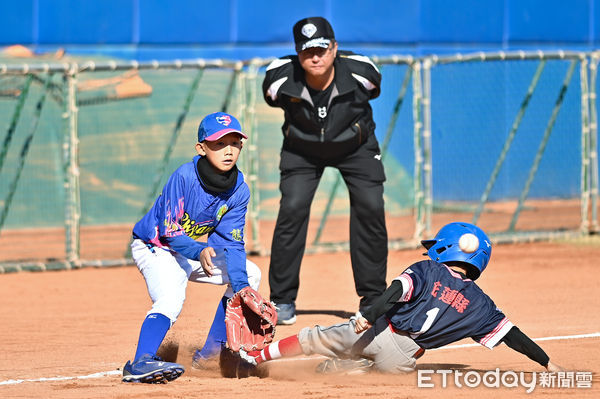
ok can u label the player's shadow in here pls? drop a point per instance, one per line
(338, 313)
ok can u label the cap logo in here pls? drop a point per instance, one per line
(224, 120)
(309, 30)
(318, 42)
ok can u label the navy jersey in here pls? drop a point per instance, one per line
(438, 306)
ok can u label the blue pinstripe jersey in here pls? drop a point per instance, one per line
(438, 306)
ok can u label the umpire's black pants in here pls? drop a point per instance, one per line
(363, 174)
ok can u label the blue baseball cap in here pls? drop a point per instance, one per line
(217, 125)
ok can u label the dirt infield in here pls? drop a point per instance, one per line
(78, 323)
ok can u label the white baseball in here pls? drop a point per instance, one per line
(468, 243)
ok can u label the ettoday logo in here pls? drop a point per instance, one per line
(503, 379)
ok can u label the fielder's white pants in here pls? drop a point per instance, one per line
(167, 273)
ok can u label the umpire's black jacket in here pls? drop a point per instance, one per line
(349, 120)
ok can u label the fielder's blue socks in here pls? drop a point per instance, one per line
(217, 335)
(154, 329)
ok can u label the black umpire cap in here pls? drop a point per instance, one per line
(313, 32)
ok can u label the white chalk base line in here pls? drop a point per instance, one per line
(118, 372)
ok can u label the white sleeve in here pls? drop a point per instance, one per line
(407, 287)
(492, 339)
(274, 88)
(364, 81)
(363, 58)
(278, 62)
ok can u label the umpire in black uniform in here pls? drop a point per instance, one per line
(325, 95)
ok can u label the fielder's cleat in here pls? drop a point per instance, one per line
(286, 313)
(344, 366)
(151, 370)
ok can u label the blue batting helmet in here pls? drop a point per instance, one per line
(461, 242)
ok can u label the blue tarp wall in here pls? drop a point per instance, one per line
(242, 29)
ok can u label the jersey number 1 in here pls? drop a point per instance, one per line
(431, 314)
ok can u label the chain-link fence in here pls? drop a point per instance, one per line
(505, 140)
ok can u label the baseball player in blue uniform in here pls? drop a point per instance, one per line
(431, 304)
(207, 196)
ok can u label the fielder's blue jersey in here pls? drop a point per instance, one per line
(438, 306)
(186, 208)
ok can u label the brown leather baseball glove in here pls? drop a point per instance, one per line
(250, 321)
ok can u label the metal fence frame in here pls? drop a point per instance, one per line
(588, 62)
(246, 74)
